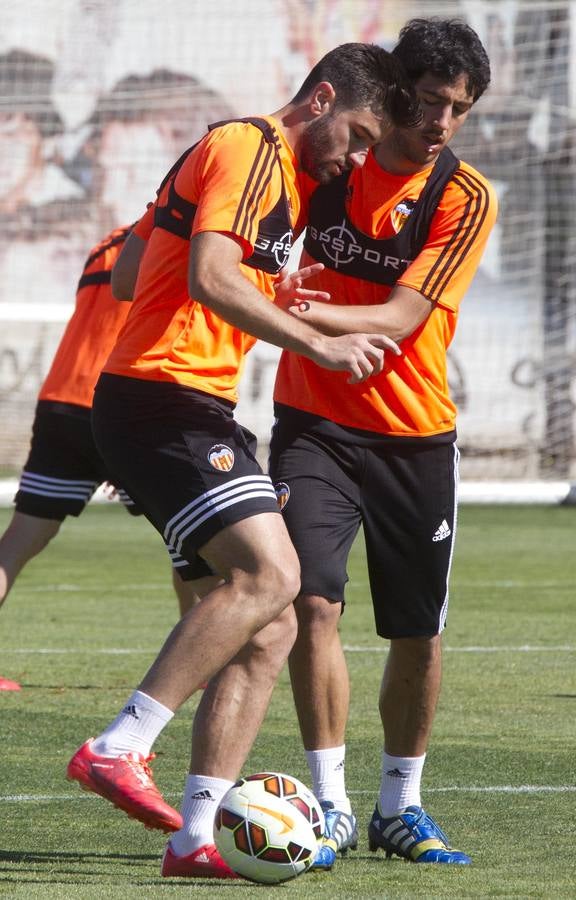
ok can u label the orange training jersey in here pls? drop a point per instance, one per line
(92, 329)
(233, 179)
(410, 397)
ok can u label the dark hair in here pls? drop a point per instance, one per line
(25, 85)
(365, 76)
(446, 48)
(161, 92)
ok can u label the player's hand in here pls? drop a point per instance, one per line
(289, 290)
(362, 355)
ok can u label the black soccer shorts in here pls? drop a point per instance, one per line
(332, 480)
(182, 456)
(63, 468)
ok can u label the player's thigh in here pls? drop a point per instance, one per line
(26, 536)
(258, 547)
(409, 514)
(320, 504)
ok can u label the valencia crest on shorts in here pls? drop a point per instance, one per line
(221, 457)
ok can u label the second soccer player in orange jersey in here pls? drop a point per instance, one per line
(401, 240)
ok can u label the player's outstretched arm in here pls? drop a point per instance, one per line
(404, 311)
(216, 280)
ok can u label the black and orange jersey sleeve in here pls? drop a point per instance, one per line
(234, 180)
(459, 231)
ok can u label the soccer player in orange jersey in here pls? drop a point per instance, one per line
(400, 241)
(64, 468)
(202, 264)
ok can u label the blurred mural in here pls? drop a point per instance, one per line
(98, 99)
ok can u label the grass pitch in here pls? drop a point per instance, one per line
(87, 617)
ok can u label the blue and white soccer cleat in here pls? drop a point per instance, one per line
(414, 835)
(340, 835)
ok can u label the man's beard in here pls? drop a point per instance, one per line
(316, 150)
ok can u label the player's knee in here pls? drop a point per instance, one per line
(317, 614)
(266, 589)
(280, 578)
(417, 651)
(274, 642)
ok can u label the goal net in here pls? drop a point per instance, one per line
(97, 99)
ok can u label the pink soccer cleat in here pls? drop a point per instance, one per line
(126, 781)
(205, 862)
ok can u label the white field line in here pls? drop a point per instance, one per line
(449, 789)
(129, 651)
(152, 586)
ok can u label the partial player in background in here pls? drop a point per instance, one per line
(64, 467)
(401, 240)
(207, 257)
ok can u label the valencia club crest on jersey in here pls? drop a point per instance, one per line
(221, 457)
(401, 212)
(282, 494)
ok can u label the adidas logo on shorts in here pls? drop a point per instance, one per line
(442, 532)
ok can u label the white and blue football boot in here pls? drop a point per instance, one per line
(413, 835)
(340, 835)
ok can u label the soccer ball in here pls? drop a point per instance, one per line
(267, 827)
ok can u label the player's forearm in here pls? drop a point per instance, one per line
(398, 317)
(237, 301)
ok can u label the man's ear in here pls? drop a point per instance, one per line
(322, 99)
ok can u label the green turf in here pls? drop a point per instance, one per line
(500, 775)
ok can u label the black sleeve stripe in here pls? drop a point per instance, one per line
(480, 202)
(263, 186)
(448, 261)
(258, 186)
(463, 237)
(92, 278)
(260, 170)
(465, 234)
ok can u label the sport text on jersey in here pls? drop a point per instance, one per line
(343, 247)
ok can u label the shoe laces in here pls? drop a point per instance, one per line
(141, 768)
(422, 818)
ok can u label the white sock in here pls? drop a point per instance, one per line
(327, 768)
(400, 784)
(202, 795)
(135, 728)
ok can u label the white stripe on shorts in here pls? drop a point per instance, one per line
(444, 610)
(176, 559)
(57, 488)
(124, 498)
(211, 502)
